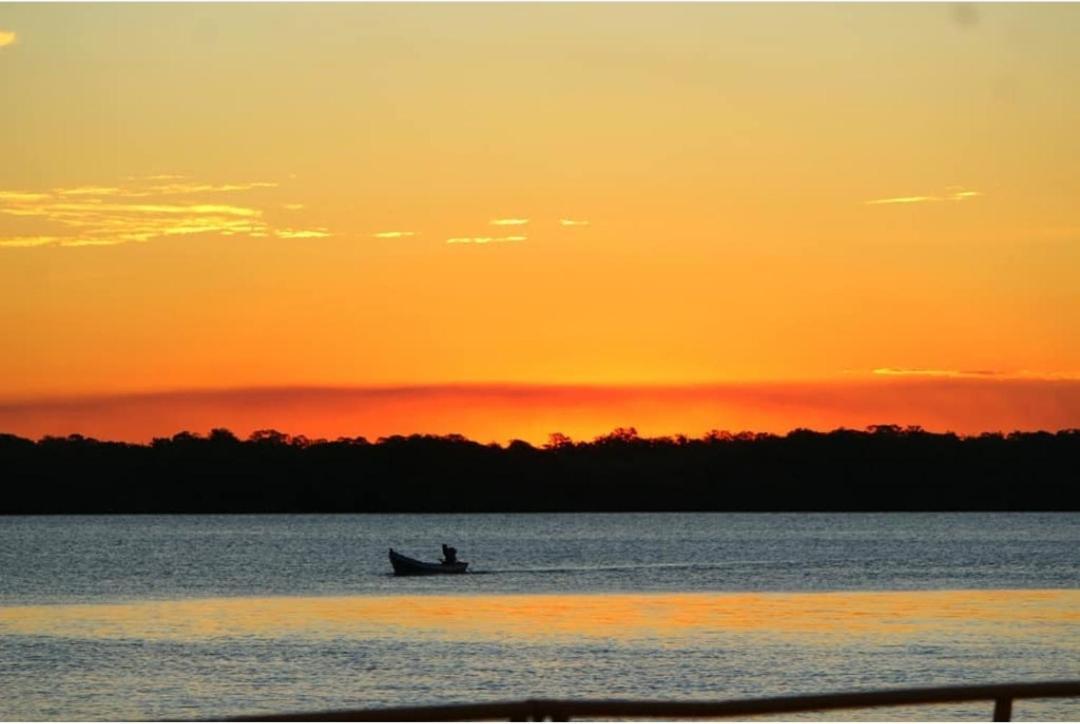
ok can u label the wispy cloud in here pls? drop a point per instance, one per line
(101, 215)
(484, 239)
(393, 234)
(904, 200)
(509, 222)
(186, 209)
(952, 193)
(20, 196)
(7, 37)
(573, 222)
(169, 189)
(87, 242)
(196, 188)
(158, 177)
(320, 233)
(1001, 375)
(922, 372)
(88, 191)
(292, 207)
(30, 240)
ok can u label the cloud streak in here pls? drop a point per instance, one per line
(509, 222)
(573, 222)
(953, 193)
(88, 191)
(320, 233)
(158, 177)
(903, 200)
(27, 241)
(971, 374)
(20, 197)
(920, 372)
(170, 189)
(7, 37)
(484, 239)
(393, 234)
(104, 215)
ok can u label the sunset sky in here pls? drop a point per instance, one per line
(506, 220)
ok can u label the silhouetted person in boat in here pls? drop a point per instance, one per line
(449, 555)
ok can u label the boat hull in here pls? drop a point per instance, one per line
(405, 566)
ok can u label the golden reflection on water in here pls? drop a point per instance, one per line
(547, 616)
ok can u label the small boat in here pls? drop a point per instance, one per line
(405, 566)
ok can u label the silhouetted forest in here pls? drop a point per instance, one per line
(884, 468)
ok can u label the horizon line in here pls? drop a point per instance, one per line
(503, 411)
(629, 434)
(870, 378)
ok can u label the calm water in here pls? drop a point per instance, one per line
(211, 616)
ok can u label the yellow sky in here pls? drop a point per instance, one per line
(248, 195)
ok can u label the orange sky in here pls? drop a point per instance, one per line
(497, 413)
(360, 196)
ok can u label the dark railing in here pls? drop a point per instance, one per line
(1002, 695)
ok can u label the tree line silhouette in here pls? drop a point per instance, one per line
(882, 468)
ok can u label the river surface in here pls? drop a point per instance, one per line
(166, 617)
